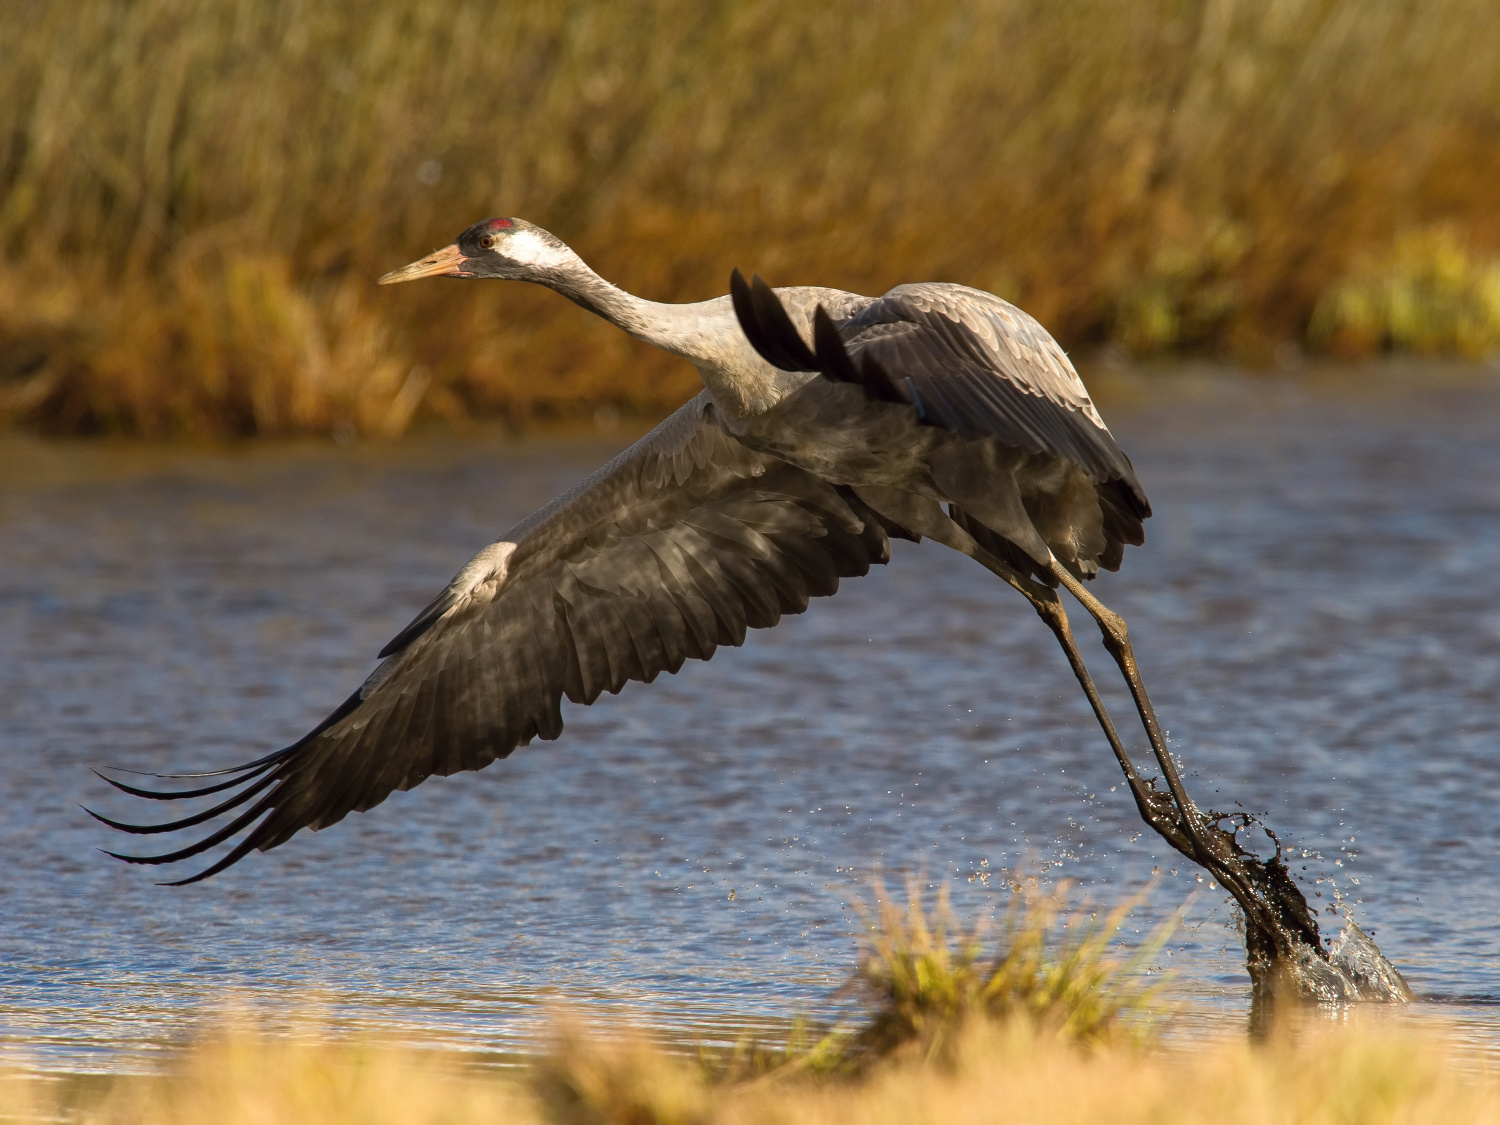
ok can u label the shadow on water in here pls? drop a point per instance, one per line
(1314, 611)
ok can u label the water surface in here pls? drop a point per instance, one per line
(1317, 613)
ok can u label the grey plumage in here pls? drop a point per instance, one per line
(829, 422)
(977, 367)
(774, 483)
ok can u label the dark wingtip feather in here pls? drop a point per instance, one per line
(176, 883)
(274, 756)
(239, 824)
(744, 312)
(179, 794)
(780, 344)
(767, 326)
(739, 290)
(253, 778)
(832, 358)
(878, 383)
(198, 878)
(210, 871)
(132, 828)
(184, 776)
(123, 858)
(836, 364)
(188, 821)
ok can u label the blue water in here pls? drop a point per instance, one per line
(1317, 613)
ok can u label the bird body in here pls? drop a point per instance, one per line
(1007, 403)
(829, 422)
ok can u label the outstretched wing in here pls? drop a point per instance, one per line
(963, 359)
(675, 547)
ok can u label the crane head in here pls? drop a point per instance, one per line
(505, 248)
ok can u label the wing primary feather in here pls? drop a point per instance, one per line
(268, 760)
(835, 364)
(242, 768)
(833, 360)
(748, 315)
(790, 352)
(237, 825)
(181, 794)
(187, 821)
(744, 309)
(246, 772)
(239, 852)
(878, 383)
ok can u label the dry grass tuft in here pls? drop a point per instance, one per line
(195, 195)
(1040, 1031)
(241, 1075)
(924, 984)
(589, 1080)
(229, 347)
(925, 979)
(1347, 1074)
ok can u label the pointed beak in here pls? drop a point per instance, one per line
(447, 262)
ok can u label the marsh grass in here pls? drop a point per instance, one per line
(1333, 1075)
(195, 195)
(240, 1074)
(1054, 968)
(1429, 295)
(924, 986)
(953, 1030)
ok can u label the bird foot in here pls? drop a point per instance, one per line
(1284, 950)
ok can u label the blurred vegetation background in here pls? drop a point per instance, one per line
(196, 195)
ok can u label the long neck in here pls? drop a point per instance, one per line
(705, 333)
(673, 328)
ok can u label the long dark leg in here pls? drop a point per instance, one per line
(1117, 641)
(1156, 808)
(1271, 902)
(1276, 914)
(1279, 925)
(924, 516)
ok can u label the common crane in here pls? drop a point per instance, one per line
(829, 423)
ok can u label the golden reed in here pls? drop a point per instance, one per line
(195, 195)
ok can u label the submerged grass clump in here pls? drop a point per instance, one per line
(196, 195)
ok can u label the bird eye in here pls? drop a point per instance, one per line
(488, 242)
